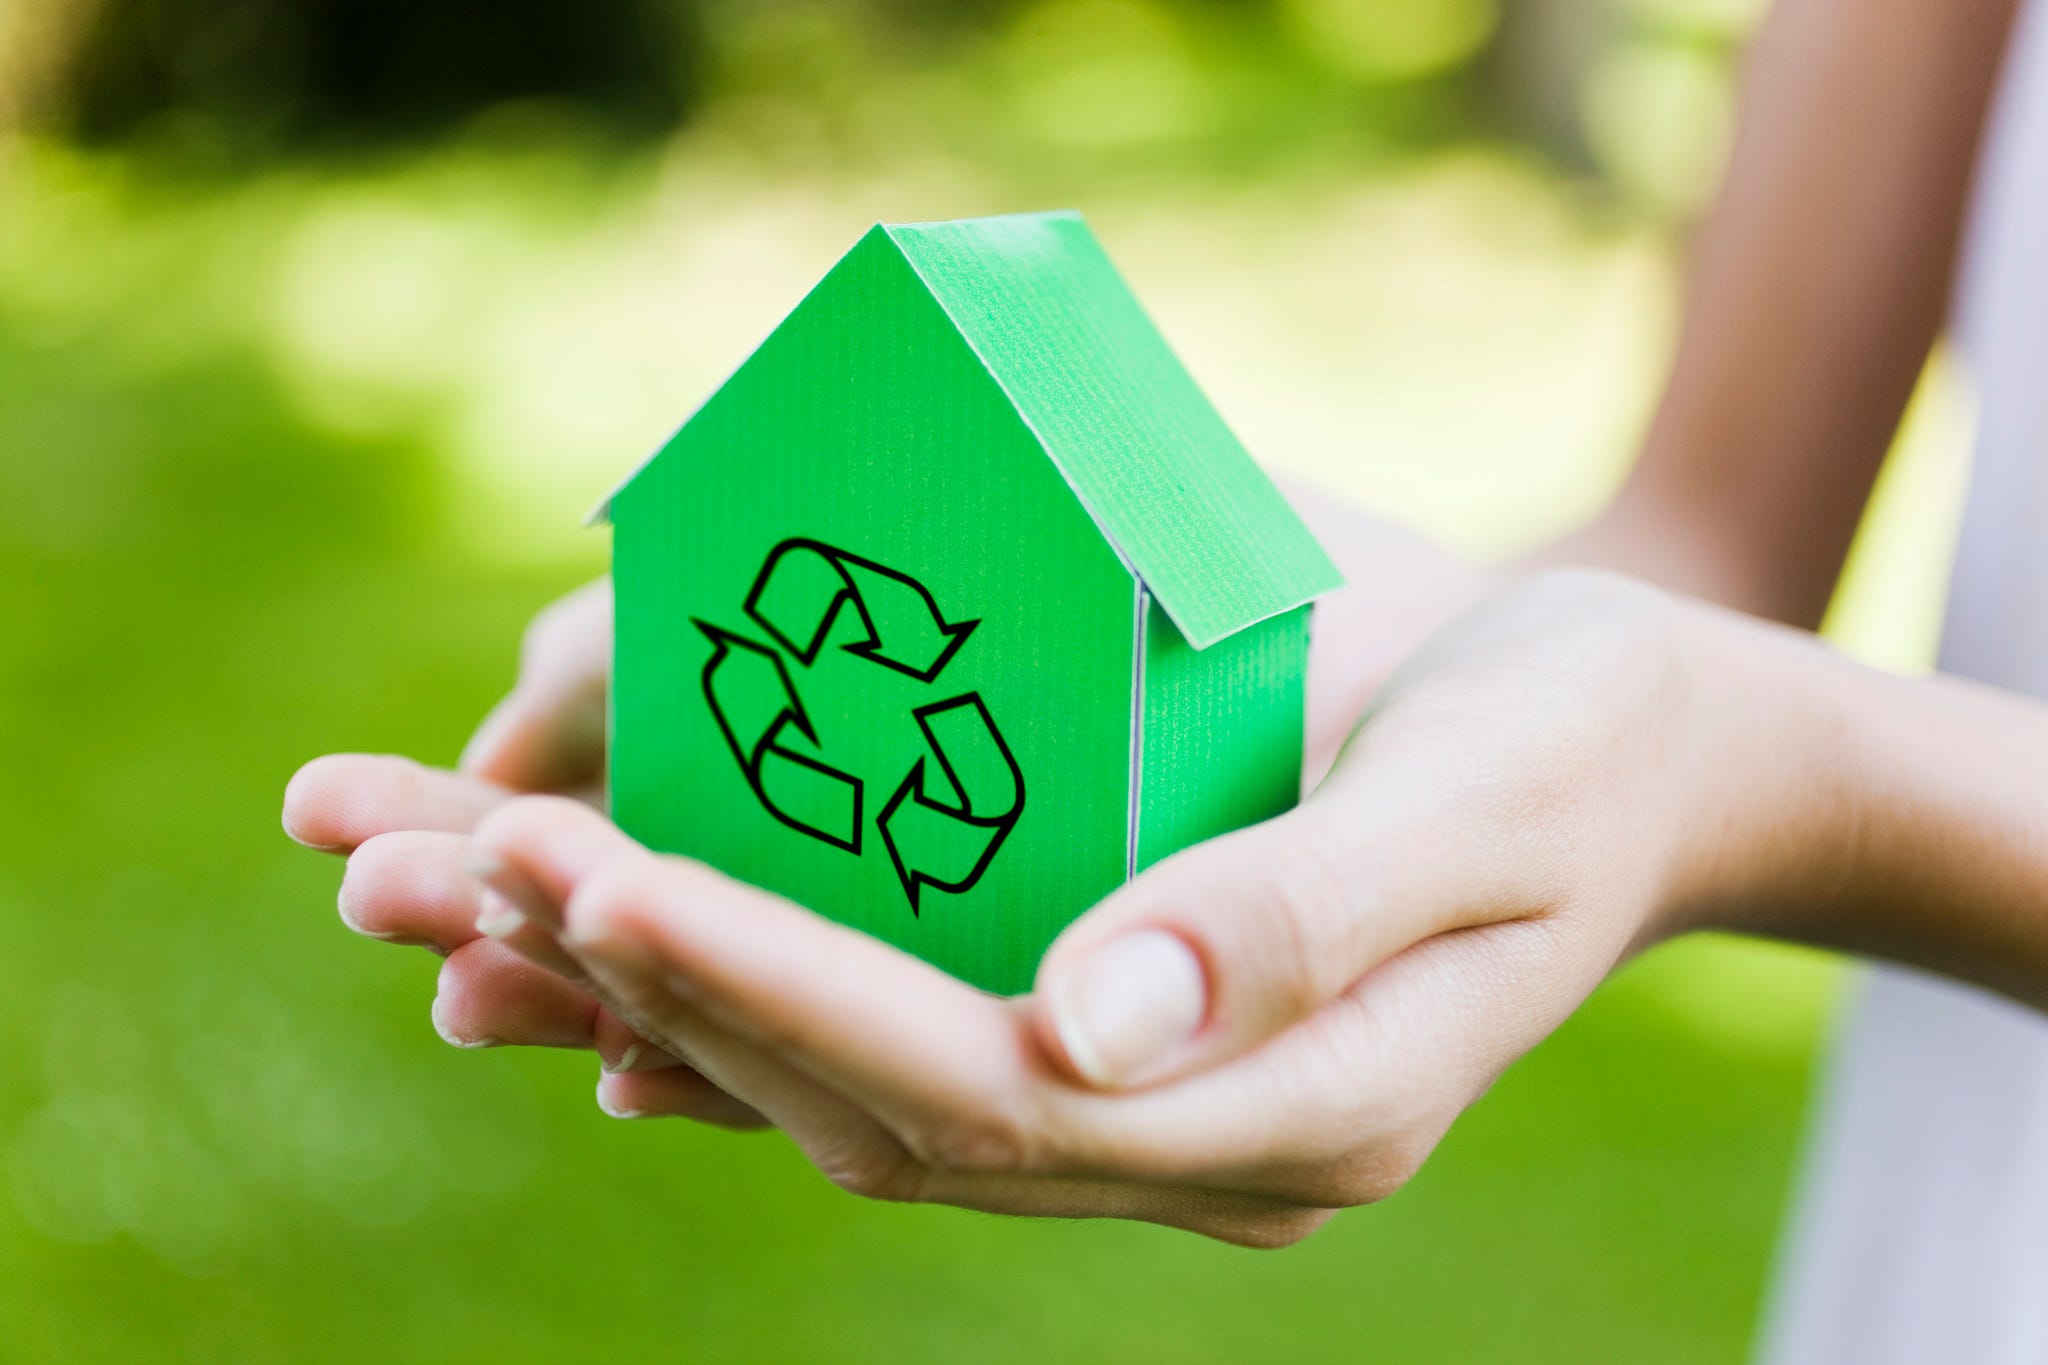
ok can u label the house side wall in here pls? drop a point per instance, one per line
(1221, 731)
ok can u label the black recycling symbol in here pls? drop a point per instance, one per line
(942, 832)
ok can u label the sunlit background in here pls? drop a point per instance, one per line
(321, 325)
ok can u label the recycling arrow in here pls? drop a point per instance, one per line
(803, 584)
(798, 790)
(958, 802)
(948, 843)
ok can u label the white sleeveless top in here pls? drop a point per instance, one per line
(1922, 1232)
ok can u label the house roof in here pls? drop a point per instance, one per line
(1150, 459)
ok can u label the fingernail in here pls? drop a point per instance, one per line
(614, 1109)
(498, 917)
(638, 1056)
(1128, 1004)
(352, 918)
(449, 1036)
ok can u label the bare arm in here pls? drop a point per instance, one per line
(1818, 283)
(1925, 799)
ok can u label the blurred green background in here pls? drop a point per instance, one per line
(322, 324)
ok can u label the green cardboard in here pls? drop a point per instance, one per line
(1212, 720)
(957, 604)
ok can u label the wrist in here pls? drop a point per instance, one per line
(1770, 765)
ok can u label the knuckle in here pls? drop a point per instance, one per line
(611, 890)
(623, 898)
(993, 1142)
(892, 1177)
(1304, 903)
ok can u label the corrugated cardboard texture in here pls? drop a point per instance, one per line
(1222, 731)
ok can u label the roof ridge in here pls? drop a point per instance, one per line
(1146, 453)
(995, 374)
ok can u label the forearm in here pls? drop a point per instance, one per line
(1817, 284)
(1899, 818)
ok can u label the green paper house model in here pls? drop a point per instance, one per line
(957, 605)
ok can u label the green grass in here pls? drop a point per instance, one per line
(226, 1129)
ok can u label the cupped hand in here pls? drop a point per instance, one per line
(1260, 1029)
(404, 827)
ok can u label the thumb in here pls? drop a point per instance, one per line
(548, 734)
(1227, 943)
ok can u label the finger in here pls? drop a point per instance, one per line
(548, 734)
(1398, 589)
(622, 1050)
(1227, 943)
(486, 999)
(952, 1075)
(523, 908)
(501, 918)
(1342, 1109)
(1238, 1219)
(553, 844)
(862, 1156)
(340, 801)
(416, 887)
(842, 1140)
(505, 912)
(489, 996)
(948, 1126)
(514, 908)
(677, 1092)
(533, 851)
(408, 886)
(411, 886)
(893, 1033)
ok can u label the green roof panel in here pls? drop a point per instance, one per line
(1145, 451)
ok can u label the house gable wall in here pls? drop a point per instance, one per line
(866, 423)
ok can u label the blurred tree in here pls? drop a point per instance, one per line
(292, 71)
(1536, 66)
